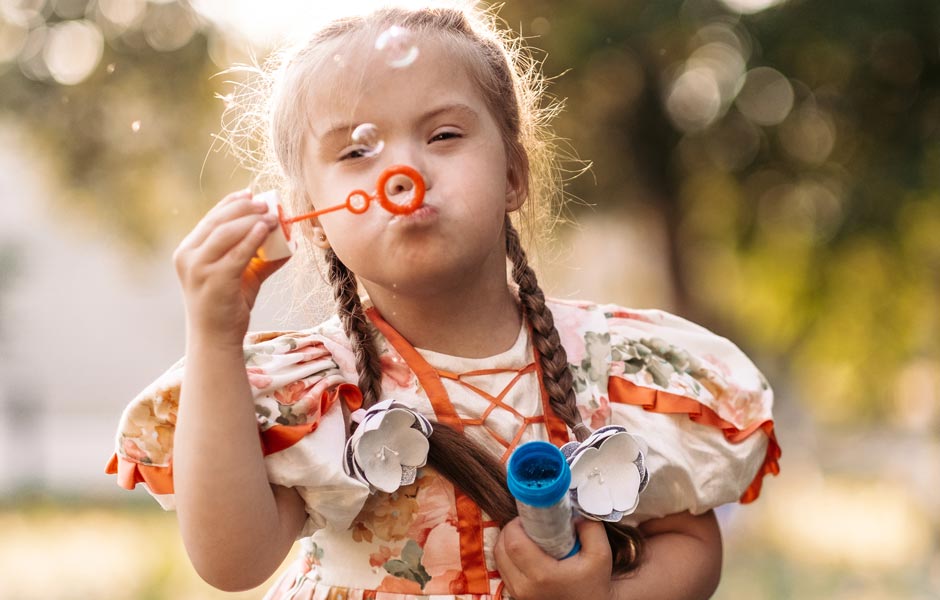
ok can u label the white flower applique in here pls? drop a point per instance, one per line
(389, 446)
(608, 472)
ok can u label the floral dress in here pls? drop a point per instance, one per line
(698, 402)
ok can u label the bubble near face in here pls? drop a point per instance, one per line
(369, 138)
(398, 46)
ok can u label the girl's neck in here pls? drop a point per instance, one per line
(472, 323)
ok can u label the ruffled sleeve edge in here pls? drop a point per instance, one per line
(659, 401)
(159, 478)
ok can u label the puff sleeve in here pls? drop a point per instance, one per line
(701, 405)
(297, 387)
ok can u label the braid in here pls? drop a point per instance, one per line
(552, 356)
(626, 542)
(357, 328)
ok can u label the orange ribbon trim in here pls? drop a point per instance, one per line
(470, 529)
(274, 439)
(129, 473)
(659, 401)
(443, 409)
(469, 515)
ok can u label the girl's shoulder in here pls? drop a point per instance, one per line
(295, 378)
(658, 350)
(682, 387)
(587, 314)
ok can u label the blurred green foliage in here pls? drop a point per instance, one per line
(792, 157)
(815, 239)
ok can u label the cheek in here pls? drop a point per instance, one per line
(348, 234)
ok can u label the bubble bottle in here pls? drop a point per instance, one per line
(538, 476)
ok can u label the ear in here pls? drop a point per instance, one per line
(517, 180)
(319, 236)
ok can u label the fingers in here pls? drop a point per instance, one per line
(526, 554)
(227, 236)
(528, 572)
(232, 206)
(234, 242)
(593, 537)
(234, 251)
(513, 577)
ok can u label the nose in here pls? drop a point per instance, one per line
(407, 153)
(398, 184)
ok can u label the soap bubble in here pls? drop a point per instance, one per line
(398, 45)
(367, 136)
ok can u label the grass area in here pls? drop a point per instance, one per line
(52, 549)
(81, 551)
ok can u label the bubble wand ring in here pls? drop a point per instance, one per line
(357, 202)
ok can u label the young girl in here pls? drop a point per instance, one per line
(445, 334)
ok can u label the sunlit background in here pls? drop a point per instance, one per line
(768, 168)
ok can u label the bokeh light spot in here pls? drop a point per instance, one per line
(73, 50)
(70, 9)
(122, 13)
(12, 39)
(749, 7)
(27, 13)
(808, 135)
(694, 100)
(168, 27)
(31, 60)
(726, 64)
(766, 97)
(541, 26)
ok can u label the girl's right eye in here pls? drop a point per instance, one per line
(355, 153)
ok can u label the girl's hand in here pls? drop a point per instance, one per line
(529, 573)
(218, 268)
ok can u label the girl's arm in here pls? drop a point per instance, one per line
(236, 526)
(682, 562)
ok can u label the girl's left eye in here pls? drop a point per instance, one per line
(444, 135)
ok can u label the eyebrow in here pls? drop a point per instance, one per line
(456, 107)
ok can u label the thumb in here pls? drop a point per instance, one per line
(263, 269)
(593, 538)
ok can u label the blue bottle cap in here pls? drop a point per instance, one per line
(538, 474)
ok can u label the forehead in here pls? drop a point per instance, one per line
(358, 82)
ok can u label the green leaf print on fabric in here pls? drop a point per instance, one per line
(596, 348)
(257, 348)
(409, 565)
(660, 359)
(593, 369)
(313, 553)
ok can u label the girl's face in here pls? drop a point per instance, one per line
(430, 116)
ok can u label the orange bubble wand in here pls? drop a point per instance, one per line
(357, 202)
